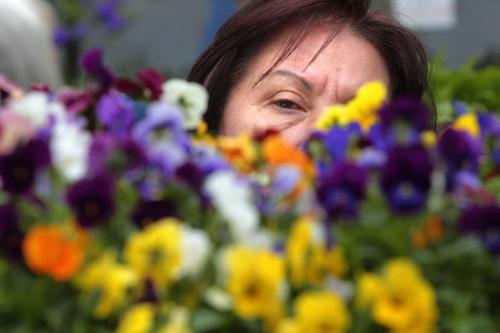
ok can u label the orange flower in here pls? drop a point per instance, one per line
(278, 152)
(57, 251)
(431, 232)
(239, 151)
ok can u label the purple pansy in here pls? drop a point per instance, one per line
(150, 211)
(18, 169)
(406, 178)
(115, 112)
(341, 189)
(483, 221)
(92, 200)
(92, 63)
(407, 110)
(11, 235)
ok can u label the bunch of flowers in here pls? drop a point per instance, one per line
(119, 212)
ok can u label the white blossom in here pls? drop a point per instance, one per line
(69, 146)
(195, 248)
(233, 199)
(38, 108)
(191, 97)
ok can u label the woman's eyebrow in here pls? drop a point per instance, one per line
(288, 74)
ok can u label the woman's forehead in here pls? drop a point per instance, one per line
(345, 62)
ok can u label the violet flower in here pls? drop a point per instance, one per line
(18, 169)
(150, 211)
(92, 200)
(115, 112)
(92, 63)
(406, 110)
(11, 236)
(406, 178)
(483, 221)
(341, 190)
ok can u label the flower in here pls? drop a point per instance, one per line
(191, 97)
(483, 221)
(107, 12)
(54, 250)
(239, 151)
(233, 200)
(308, 257)
(405, 110)
(178, 322)
(255, 279)
(469, 123)
(19, 169)
(114, 282)
(92, 63)
(341, 189)
(15, 129)
(400, 299)
(38, 108)
(149, 211)
(138, 319)
(11, 235)
(406, 178)
(277, 152)
(155, 252)
(321, 312)
(69, 145)
(115, 111)
(92, 200)
(195, 249)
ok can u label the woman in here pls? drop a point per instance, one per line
(278, 63)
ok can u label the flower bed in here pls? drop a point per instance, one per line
(119, 212)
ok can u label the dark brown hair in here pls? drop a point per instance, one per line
(224, 62)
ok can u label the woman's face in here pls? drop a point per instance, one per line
(293, 95)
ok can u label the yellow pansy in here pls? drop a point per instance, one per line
(401, 299)
(254, 280)
(334, 115)
(288, 326)
(468, 122)
(239, 151)
(321, 312)
(138, 319)
(309, 259)
(114, 281)
(155, 252)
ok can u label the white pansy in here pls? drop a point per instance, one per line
(38, 108)
(195, 248)
(191, 97)
(259, 239)
(69, 146)
(218, 298)
(233, 199)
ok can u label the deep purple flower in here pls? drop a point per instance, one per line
(92, 63)
(92, 200)
(61, 36)
(11, 235)
(460, 152)
(407, 110)
(115, 111)
(341, 189)
(18, 169)
(406, 178)
(150, 211)
(191, 175)
(483, 221)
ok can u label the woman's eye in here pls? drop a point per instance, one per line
(287, 104)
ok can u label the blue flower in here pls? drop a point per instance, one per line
(116, 112)
(406, 178)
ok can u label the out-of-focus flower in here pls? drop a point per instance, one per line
(255, 279)
(400, 299)
(38, 108)
(460, 152)
(406, 178)
(152, 81)
(92, 63)
(321, 312)
(11, 236)
(483, 221)
(108, 12)
(155, 252)
(114, 282)
(195, 248)
(14, 130)
(191, 174)
(432, 231)
(138, 319)
(309, 257)
(179, 320)
(19, 169)
(239, 151)
(92, 200)
(233, 200)
(468, 123)
(405, 110)
(191, 97)
(150, 211)
(337, 141)
(277, 152)
(77, 100)
(341, 189)
(69, 145)
(64, 35)
(116, 112)
(54, 250)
